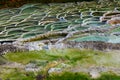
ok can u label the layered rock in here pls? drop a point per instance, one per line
(5, 48)
(95, 45)
(112, 18)
(55, 23)
(114, 21)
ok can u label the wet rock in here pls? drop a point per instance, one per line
(105, 18)
(115, 40)
(112, 18)
(116, 33)
(114, 21)
(112, 13)
(7, 41)
(62, 19)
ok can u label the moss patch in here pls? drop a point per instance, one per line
(74, 59)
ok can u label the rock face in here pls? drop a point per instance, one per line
(112, 18)
(5, 48)
(95, 45)
(114, 21)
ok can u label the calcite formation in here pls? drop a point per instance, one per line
(112, 18)
(81, 22)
